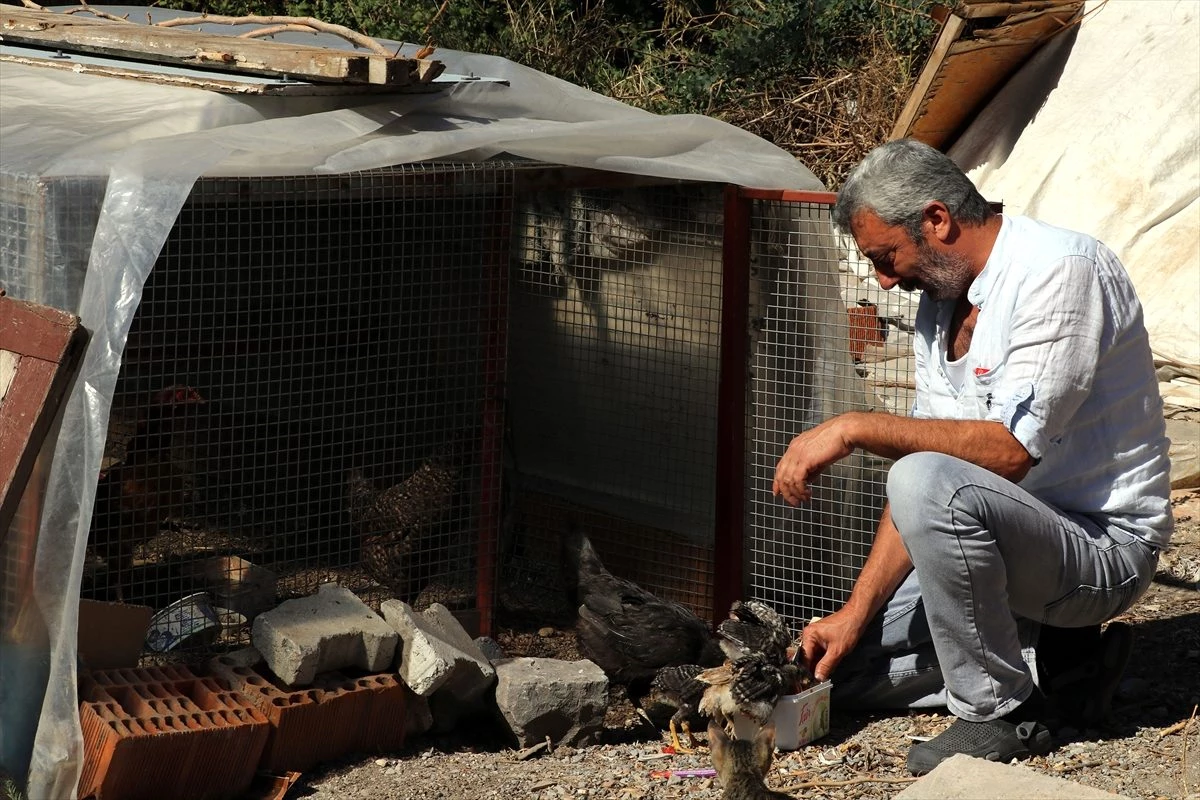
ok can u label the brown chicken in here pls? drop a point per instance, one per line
(147, 485)
(742, 766)
(398, 527)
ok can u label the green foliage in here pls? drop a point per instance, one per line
(715, 57)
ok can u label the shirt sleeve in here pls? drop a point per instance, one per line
(1052, 352)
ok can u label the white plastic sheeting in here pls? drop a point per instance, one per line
(152, 142)
(1100, 132)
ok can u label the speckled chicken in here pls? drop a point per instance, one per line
(672, 701)
(749, 685)
(755, 627)
(397, 526)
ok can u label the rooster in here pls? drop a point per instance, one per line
(150, 483)
(396, 524)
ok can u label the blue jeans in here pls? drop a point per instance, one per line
(992, 562)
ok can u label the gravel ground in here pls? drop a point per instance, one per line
(1152, 749)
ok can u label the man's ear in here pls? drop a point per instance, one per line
(941, 224)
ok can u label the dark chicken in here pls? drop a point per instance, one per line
(147, 485)
(398, 526)
(627, 631)
(652, 647)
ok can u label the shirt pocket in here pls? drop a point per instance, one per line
(980, 390)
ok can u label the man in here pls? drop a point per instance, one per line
(1031, 484)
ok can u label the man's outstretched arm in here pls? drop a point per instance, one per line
(982, 442)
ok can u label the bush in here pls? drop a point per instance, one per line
(823, 79)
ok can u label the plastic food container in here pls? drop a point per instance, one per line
(802, 718)
(189, 619)
(799, 718)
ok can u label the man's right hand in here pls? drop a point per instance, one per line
(826, 641)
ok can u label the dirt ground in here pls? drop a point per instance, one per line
(1151, 749)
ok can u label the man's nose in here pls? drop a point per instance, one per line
(886, 281)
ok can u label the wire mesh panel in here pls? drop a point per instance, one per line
(308, 394)
(831, 341)
(614, 357)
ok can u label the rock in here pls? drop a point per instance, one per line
(437, 651)
(330, 630)
(963, 776)
(490, 648)
(540, 697)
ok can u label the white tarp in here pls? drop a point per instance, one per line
(1100, 132)
(152, 142)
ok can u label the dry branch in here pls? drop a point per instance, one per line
(352, 36)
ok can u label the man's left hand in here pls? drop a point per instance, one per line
(807, 456)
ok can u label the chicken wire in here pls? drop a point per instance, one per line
(831, 341)
(302, 346)
(613, 367)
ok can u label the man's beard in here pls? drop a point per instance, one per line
(943, 276)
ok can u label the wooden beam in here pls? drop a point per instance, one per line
(951, 29)
(138, 42)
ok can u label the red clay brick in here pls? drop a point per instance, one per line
(336, 716)
(163, 732)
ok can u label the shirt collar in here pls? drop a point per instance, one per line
(981, 287)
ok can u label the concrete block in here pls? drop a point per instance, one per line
(437, 652)
(540, 697)
(330, 630)
(966, 778)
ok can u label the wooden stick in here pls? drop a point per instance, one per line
(271, 30)
(352, 36)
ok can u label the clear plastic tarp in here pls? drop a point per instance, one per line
(148, 144)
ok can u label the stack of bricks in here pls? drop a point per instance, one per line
(337, 715)
(164, 732)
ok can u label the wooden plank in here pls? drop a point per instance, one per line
(47, 345)
(962, 73)
(951, 29)
(215, 83)
(37, 331)
(977, 10)
(209, 51)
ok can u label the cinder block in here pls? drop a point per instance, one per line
(330, 630)
(166, 733)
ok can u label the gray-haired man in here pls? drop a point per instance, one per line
(1031, 484)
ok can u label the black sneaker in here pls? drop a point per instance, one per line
(996, 740)
(1082, 695)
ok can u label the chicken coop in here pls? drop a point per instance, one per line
(409, 381)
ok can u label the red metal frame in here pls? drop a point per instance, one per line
(733, 383)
